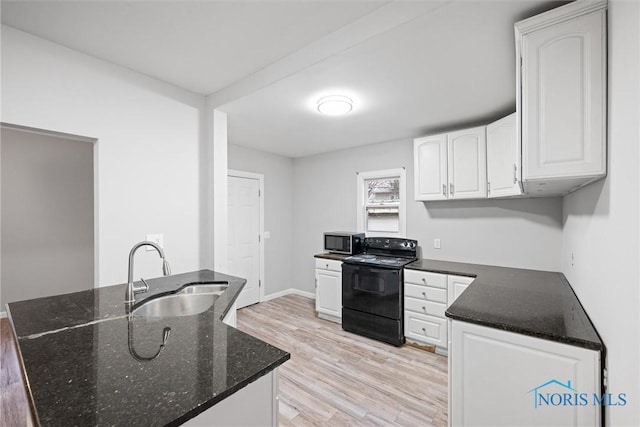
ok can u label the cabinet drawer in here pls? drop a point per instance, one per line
(424, 307)
(425, 293)
(328, 264)
(425, 329)
(423, 278)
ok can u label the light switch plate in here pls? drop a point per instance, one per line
(158, 239)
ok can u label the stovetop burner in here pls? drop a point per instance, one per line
(378, 260)
(386, 251)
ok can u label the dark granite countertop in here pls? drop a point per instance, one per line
(84, 356)
(329, 255)
(536, 303)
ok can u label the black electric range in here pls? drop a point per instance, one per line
(372, 288)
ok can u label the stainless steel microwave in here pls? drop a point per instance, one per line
(343, 242)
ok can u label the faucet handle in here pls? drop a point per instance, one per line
(166, 270)
(145, 289)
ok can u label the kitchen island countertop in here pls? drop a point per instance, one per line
(88, 363)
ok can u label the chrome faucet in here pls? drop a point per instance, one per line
(129, 297)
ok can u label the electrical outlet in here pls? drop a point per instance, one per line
(158, 239)
(436, 243)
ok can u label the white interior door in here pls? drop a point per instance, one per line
(243, 247)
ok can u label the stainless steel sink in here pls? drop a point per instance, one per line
(191, 299)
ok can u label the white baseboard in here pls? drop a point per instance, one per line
(3, 314)
(290, 291)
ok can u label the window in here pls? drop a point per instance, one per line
(382, 203)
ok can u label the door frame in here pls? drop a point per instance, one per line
(96, 187)
(260, 178)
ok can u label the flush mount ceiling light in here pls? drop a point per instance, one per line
(335, 105)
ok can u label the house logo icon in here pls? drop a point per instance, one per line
(539, 397)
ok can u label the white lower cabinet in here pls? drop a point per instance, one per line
(426, 298)
(231, 317)
(422, 328)
(329, 289)
(261, 395)
(456, 285)
(501, 378)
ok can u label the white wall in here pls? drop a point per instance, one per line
(278, 206)
(149, 135)
(47, 215)
(517, 233)
(601, 226)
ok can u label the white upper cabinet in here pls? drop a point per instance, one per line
(562, 97)
(467, 164)
(451, 165)
(430, 167)
(503, 158)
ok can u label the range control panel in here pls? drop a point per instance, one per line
(390, 244)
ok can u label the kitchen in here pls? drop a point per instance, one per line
(307, 195)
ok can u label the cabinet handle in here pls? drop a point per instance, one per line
(515, 173)
(423, 330)
(488, 187)
(424, 294)
(424, 308)
(451, 188)
(424, 280)
(444, 190)
(327, 266)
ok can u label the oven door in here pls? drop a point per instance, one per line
(374, 290)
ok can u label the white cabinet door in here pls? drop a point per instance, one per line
(496, 378)
(329, 293)
(425, 329)
(430, 167)
(261, 394)
(503, 158)
(456, 285)
(232, 315)
(563, 99)
(467, 164)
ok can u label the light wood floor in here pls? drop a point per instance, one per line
(336, 378)
(14, 408)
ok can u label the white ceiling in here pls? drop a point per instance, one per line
(411, 67)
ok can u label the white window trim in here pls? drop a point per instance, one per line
(361, 177)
